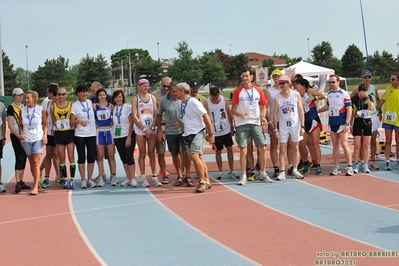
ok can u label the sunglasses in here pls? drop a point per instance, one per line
(61, 94)
(367, 77)
(165, 86)
(331, 82)
(281, 83)
(394, 79)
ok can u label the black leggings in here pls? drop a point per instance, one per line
(81, 144)
(126, 153)
(19, 152)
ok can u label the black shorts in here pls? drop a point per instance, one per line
(311, 125)
(223, 141)
(50, 140)
(64, 137)
(1, 150)
(174, 144)
(362, 126)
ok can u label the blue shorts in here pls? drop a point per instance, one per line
(336, 129)
(388, 126)
(33, 147)
(104, 137)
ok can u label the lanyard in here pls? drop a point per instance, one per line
(86, 109)
(30, 116)
(251, 97)
(183, 110)
(118, 114)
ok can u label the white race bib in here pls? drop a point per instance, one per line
(103, 115)
(390, 116)
(334, 111)
(306, 108)
(363, 114)
(63, 124)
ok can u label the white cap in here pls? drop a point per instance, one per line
(17, 91)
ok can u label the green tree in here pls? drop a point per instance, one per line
(93, 69)
(54, 70)
(290, 61)
(382, 65)
(269, 63)
(352, 62)
(322, 54)
(235, 66)
(22, 78)
(150, 69)
(212, 69)
(184, 67)
(10, 75)
(72, 77)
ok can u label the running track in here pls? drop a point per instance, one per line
(291, 222)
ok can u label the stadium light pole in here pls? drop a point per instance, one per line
(158, 51)
(130, 69)
(364, 34)
(27, 66)
(308, 50)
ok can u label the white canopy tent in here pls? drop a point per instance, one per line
(307, 69)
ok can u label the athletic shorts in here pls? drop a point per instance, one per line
(50, 140)
(286, 132)
(245, 131)
(196, 145)
(1, 150)
(312, 125)
(64, 137)
(389, 126)
(35, 147)
(223, 141)
(104, 137)
(362, 126)
(336, 129)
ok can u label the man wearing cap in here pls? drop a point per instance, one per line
(375, 121)
(390, 119)
(288, 111)
(339, 106)
(249, 107)
(160, 148)
(270, 94)
(194, 87)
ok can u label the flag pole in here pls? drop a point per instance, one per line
(1, 68)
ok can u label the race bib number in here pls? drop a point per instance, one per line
(63, 124)
(222, 126)
(363, 114)
(289, 122)
(334, 111)
(253, 106)
(390, 116)
(103, 115)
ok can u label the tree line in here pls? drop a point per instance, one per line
(214, 67)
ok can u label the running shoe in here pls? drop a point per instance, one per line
(243, 181)
(133, 182)
(265, 177)
(71, 184)
(2, 189)
(126, 183)
(388, 166)
(276, 171)
(314, 167)
(220, 176)
(306, 167)
(17, 187)
(144, 182)
(46, 183)
(297, 175)
(23, 185)
(300, 166)
(83, 185)
(251, 176)
(100, 182)
(156, 182)
(232, 175)
(318, 170)
(335, 171)
(281, 176)
(349, 171)
(290, 170)
(355, 168)
(91, 183)
(65, 184)
(366, 169)
(61, 183)
(114, 180)
(374, 166)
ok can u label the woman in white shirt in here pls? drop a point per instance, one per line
(33, 134)
(124, 136)
(82, 118)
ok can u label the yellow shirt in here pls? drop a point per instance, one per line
(63, 117)
(391, 106)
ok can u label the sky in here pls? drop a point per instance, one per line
(73, 29)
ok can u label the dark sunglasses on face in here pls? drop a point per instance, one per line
(61, 94)
(394, 79)
(281, 83)
(165, 86)
(331, 82)
(367, 77)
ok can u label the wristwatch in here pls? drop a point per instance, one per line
(210, 134)
(346, 123)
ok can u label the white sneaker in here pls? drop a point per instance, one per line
(83, 184)
(297, 175)
(349, 171)
(144, 183)
(91, 183)
(243, 181)
(265, 177)
(281, 176)
(114, 180)
(335, 171)
(232, 175)
(126, 183)
(100, 182)
(133, 182)
(2, 189)
(97, 178)
(220, 176)
(156, 182)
